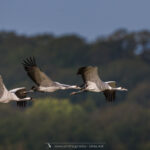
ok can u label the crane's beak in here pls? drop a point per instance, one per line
(124, 89)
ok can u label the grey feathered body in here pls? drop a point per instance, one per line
(93, 83)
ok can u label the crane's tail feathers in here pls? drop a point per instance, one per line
(65, 86)
(74, 87)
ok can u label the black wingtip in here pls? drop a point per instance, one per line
(80, 70)
(110, 95)
(29, 62)
(83, 69)
(21, 104)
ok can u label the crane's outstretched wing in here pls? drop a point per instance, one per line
(2, 87)
(90, 76)
(110, 94)
(39, 77)
(21, 103)
(89, 73)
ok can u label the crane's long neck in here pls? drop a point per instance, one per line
(119, 89)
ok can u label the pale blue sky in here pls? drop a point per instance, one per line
(89, 18)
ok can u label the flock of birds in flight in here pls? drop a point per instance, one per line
(91, 79)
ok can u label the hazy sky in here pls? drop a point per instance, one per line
(89, 18)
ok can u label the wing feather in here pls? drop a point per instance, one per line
(21, 103)
(110, 95)
(3, 89)
(39, 77)
(90, 73)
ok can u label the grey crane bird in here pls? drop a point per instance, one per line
(93, 83)
(18, 94)
(42, 81)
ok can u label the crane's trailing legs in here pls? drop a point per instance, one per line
(74, 93)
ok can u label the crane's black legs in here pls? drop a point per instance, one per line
(74, 93)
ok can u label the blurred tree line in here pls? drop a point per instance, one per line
(57, 117)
